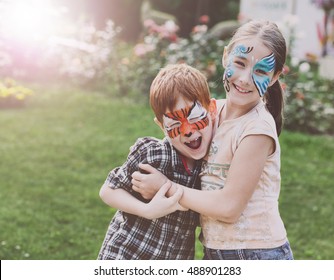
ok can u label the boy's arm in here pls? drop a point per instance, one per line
(158, 207)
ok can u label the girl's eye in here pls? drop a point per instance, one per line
(240, 63)
(260, 72)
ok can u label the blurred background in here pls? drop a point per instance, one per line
(74, 84)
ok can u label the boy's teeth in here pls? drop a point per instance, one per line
(195, 144)
(192, 141)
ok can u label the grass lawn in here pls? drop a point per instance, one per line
(56, 152)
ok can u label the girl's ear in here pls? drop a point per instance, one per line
(224, 58)
(275, 78)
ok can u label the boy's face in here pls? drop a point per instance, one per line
(189, 128)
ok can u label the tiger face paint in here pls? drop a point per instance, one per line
(185, 121)
(248, 61)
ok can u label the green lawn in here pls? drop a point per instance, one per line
(56, 152)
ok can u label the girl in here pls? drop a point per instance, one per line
(240, 178)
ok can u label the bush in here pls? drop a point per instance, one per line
(309, 100)
(161, 46)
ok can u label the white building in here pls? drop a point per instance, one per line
(302, 15)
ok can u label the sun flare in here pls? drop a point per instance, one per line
(29, 20)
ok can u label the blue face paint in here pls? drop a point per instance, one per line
(260, 73)
(238, 51)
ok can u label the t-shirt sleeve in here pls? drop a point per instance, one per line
(258, 127)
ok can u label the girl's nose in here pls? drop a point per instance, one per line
(246, 77)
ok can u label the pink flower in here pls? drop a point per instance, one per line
(204, 19)
(143, 49)
(149, 23)
(286, 69)
(200, 29)
(283, 86)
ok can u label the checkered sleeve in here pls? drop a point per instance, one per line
(148, 150)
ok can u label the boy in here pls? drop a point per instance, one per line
(180, 99)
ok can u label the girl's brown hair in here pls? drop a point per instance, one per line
(273, 39)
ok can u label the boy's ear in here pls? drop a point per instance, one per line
(159, 123)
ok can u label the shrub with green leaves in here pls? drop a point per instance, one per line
(309, 100)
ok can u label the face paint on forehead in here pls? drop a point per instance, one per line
(185, 120)
(241, 50)
(261, 73)
(238, 51)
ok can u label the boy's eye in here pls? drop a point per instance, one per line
(171, 125)
(197, 113)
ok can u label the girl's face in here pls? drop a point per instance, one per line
(249, 70)
(189, 128)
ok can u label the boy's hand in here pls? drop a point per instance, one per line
(147, 184)
(161, 205)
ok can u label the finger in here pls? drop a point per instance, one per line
(146, 167)
(177, 195)
(136, 175)
(136, 183)
(164, 188)
(135, 188)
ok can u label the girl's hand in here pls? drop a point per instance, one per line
(147, 184)
(160, 205)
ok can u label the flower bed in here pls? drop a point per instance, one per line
(13, 95)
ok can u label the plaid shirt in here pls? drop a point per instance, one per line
(171, 237)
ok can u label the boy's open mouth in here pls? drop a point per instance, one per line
(195, 144)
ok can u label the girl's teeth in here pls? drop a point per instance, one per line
(241, 90)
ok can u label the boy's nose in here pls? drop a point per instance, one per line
(186, 129)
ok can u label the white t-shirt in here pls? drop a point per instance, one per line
(260, 224)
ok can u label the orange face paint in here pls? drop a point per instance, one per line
(185, 121)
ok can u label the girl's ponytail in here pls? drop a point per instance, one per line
(275, 104)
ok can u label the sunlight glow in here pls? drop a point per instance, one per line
(28, 20)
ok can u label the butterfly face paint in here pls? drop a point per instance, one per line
(239, 51)
(260, 73)
(240, 59)
(185, 121)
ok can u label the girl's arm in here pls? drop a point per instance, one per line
(244, 173)
(158, 207)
